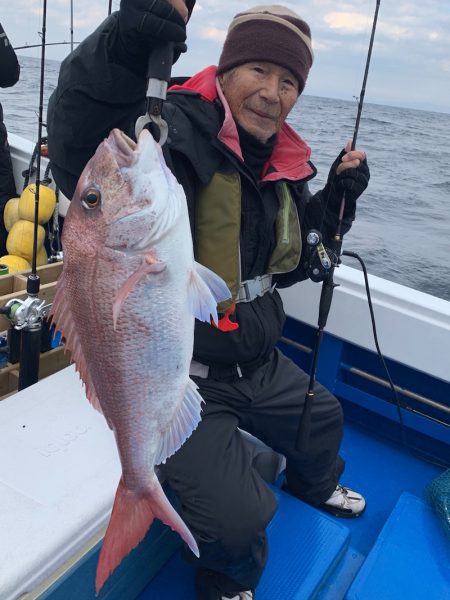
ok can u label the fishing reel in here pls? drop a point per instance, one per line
(26, 313)
(318, 260)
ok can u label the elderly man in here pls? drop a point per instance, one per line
(245, 174)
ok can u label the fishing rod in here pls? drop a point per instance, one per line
(26, 315)
(71, 25)
(47, 44)
(324, 262)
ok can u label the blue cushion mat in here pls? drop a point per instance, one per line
(410, 559)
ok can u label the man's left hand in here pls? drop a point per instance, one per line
(351, 159)
(350, 173)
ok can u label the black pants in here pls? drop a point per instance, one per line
(7, 184)
(224, 500)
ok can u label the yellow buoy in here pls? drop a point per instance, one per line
(47, 201)
(15, 263)
(20, 239)
(11, 213)
(41, 257)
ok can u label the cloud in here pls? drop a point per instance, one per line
(349, 22)
(213, 33)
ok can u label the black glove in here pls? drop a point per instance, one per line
(351, 181)
(144, 22)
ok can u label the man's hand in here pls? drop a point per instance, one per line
(350, 173)
(351, 159)
(143, 23)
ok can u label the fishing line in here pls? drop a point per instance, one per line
(322, 262)
(31, 27)
(359, 99)
(33, 278)
(396, 399)
(71, 25)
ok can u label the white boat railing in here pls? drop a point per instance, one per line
(413, 328)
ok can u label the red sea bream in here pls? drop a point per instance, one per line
(125, 304)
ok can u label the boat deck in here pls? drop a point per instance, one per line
(390, 477)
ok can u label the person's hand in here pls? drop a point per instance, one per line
(350, 172)
(142, 23)
(351, 159)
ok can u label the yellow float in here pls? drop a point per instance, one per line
(47, 202)
(20, 239)
(41, 257)
(11, 213)
(15, 263)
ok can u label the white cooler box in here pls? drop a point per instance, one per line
(59, 470)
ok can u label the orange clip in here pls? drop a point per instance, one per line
(225, 323)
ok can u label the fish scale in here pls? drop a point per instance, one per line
(125, 304)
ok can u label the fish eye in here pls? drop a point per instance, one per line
(91, 198)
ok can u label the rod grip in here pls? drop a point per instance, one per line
(304, 427)
(30, 352)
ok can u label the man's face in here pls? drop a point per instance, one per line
(260, 96)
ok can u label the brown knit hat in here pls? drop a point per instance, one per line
(269, 33)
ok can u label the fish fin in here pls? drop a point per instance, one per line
(206, 290)
(61, 317)
(185, 420)
(131, 517)
(149, 265)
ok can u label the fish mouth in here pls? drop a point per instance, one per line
(122, 147)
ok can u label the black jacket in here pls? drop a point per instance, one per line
(9, 65)
(9, 75)
(95, 94)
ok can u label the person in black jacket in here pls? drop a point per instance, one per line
(245, 173)
(9, 76)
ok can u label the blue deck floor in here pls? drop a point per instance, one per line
(380, 469)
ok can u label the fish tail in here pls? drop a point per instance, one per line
(131, 517)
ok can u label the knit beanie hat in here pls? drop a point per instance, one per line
(269, 33)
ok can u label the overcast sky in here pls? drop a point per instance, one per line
(410, 63)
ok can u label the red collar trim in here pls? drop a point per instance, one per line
(290, 155)
(203, 83)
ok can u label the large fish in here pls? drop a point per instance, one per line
(125, 304)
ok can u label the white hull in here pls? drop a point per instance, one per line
(413, 327)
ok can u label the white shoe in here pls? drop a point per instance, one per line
(344, 502)
(241, 596)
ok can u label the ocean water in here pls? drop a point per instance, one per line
(403, 219)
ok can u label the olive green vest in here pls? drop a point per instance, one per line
(217, 231)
